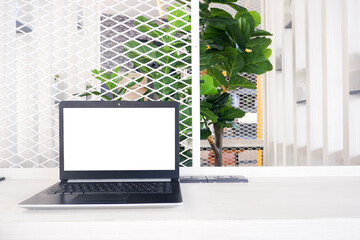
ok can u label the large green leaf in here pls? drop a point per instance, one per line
(267, 53)
(221, 68)
(232, 113)
(259, 42)
(211, 99)
(226, 106)
(254, 57)
(203, 7)
(246, 16)
(256, 17)
(204, 133)
(260, 33)
(208, 114)
(219, 22)
(207, 85)
(233, 61)
(217, 76)
(257, 55)
(222, 41)
(219, 102)
(217, 58)
(216, 46)
(240, 32)
(211, 32)
(236, 7)
(239, 81)
(205, 104)
(258, 67)
(204, 46)
(215, 12)
(204, 61)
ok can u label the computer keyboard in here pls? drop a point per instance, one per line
(113, 187)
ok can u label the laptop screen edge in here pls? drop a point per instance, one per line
(133, 174)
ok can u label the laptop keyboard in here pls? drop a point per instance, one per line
(111, 187)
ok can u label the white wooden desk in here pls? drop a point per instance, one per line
(264, 208)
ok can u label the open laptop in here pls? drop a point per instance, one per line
(115, 154)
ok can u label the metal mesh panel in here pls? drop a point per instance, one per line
(87, 50)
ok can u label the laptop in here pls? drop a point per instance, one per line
(115, 154)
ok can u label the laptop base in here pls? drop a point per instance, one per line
(103, 200)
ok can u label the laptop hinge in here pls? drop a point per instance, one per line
(121, 180)
(64, 181)
(175, 179)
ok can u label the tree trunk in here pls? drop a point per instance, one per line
(216, 145)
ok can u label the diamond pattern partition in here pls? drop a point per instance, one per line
(54, 50)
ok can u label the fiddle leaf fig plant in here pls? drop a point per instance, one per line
(230, 45)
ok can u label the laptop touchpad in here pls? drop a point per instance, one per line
(101, 198)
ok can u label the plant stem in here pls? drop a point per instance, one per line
(214, 148)
(217, 146)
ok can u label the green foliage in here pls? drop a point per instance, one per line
(160, 59)
(168, 52)
(207, 85)
(229, 46)
(112, 81)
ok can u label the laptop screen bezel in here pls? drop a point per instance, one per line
(118, 174)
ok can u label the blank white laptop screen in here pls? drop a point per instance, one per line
(115, 139)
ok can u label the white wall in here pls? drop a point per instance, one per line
(354, 77)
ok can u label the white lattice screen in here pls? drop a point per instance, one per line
(100, 50)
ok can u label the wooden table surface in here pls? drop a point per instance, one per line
(264, 208)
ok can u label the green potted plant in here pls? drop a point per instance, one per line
(230, 45)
